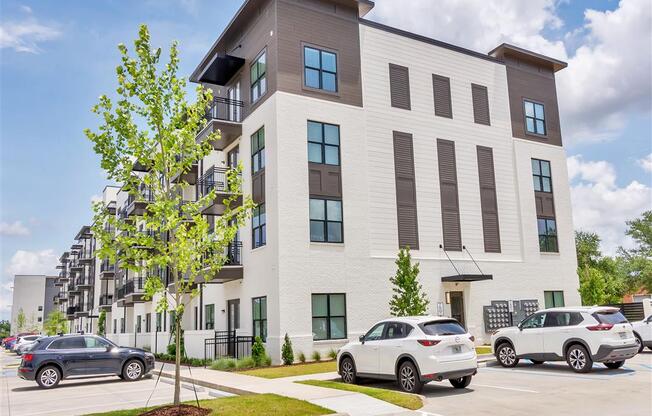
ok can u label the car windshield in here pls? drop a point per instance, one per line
(610, 317)
(451, 327)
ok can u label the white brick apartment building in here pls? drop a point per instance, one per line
(357, 139)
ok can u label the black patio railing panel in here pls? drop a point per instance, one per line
(226, 344)
(225, 109)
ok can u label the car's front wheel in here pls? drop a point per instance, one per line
(347, 371)
(461, 383)
(132, 371)
(579, 359)
(506, 355)
(615, 365)
(48, 377)
(408, 378)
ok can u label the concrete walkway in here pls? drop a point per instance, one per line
(343, 402)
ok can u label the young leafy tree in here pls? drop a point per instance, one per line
(101, 323)
(21, 321)
(601, 277)
(287, 355)
(5, 329)
(55, 323)
(151, 123)
(638, 261)
(408, 298)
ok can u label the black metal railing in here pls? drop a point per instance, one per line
(232, 252)
(225, 109)
(226, 344)
(134, 286)
(70, 310)
(107, 266)
(106, 300)
(145, 194)
(120, 292)
(214, 178)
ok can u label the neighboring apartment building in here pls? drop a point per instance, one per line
(34, 296)
(357, 139)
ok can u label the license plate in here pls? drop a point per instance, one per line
(457, 349)
(623, 335)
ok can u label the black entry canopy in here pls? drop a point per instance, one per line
(221, 69)
(467, 278)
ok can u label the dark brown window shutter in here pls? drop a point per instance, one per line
(258, 187)
(480, 104)
(488, 202)
(442, 91)
(406, 195)
(450, 204)
(399, 86)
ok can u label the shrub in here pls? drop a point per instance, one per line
(223, 364)
(258, 352)
(244, 363)
(332, 354)
(287, 355)
(316, 356)
(302, 357)
(172, 349)
(267, 361)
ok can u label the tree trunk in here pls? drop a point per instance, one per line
(177, 363)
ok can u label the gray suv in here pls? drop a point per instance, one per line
(55, 358)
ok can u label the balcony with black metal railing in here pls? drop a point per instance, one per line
(226, 115)
(85, 281)
(216, 179)
(232, 269)
(131, 292)
(107, 270)
(136, 204)
(105, 302)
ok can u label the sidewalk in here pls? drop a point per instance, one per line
(343, 402)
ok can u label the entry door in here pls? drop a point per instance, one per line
(233, 323)
(457, 307)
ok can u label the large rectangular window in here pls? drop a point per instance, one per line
(122, 325)
(115, 326)
(329, 316)
(260, 317)
(323, 143)
(320, 69)
(139, 319)
(259, 226)
(159, 326)
(553, 298)
(541, 176)
(547, 235)
(209, 316)
(148, 322)
(258, 150)
(326, 220)
(258, 73)
(535, 119)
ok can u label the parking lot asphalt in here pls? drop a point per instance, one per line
(548, 389)
(83, 396)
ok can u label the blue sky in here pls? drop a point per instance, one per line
(56, 58)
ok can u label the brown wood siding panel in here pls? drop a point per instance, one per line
(525, 83)
(545, 204)
(399, 86)
(450, 205)
(488, 202)
(258, 187)
(316, 24)
(406, 196)
(480, 104)
(441, 87)
(325, 180)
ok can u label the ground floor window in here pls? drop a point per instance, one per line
(122, 325)
(158, 322)
(329, 316)
(553, 298)
(138, 323)
(209, 312)
(196, 309)
(148, 322)
(115, 326)
(260, 317)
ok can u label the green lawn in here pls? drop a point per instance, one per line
(484, 349)
(408, 401)
(292, 370)
(255, 404)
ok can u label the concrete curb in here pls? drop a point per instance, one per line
(210, 385)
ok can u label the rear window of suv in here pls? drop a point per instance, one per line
(451, 327)
(608, 317)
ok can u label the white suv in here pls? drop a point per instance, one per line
(580, 336)
(412, 350)
(643, 333)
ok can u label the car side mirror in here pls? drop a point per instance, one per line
(361, 338)
(520, 327)
(109, 348)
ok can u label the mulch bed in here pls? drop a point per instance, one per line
(180, 410)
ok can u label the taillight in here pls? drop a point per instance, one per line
(600, 327)
(472, 338)
(427, 342)
(28, 357)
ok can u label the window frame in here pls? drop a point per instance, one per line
(259, 154)
(261, 228)
(139, 323)
(209, 324)
(531, 317)
(328, 316)
(255, 84)
(547, 238)
(320, 70)
(540, 176)
(326, 221)
(552, 294)
(323, 145)
(262, 321)
(148, 322)
(534, 118)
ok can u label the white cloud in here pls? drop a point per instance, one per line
(600, 205)
(15, 228)
(26, 9)
(25, 35)
(32, 262)
(608, 75)
(646, 163)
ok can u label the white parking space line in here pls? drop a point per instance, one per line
(554, 373)
(504, 388)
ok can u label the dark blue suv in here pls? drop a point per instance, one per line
(55, 358)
